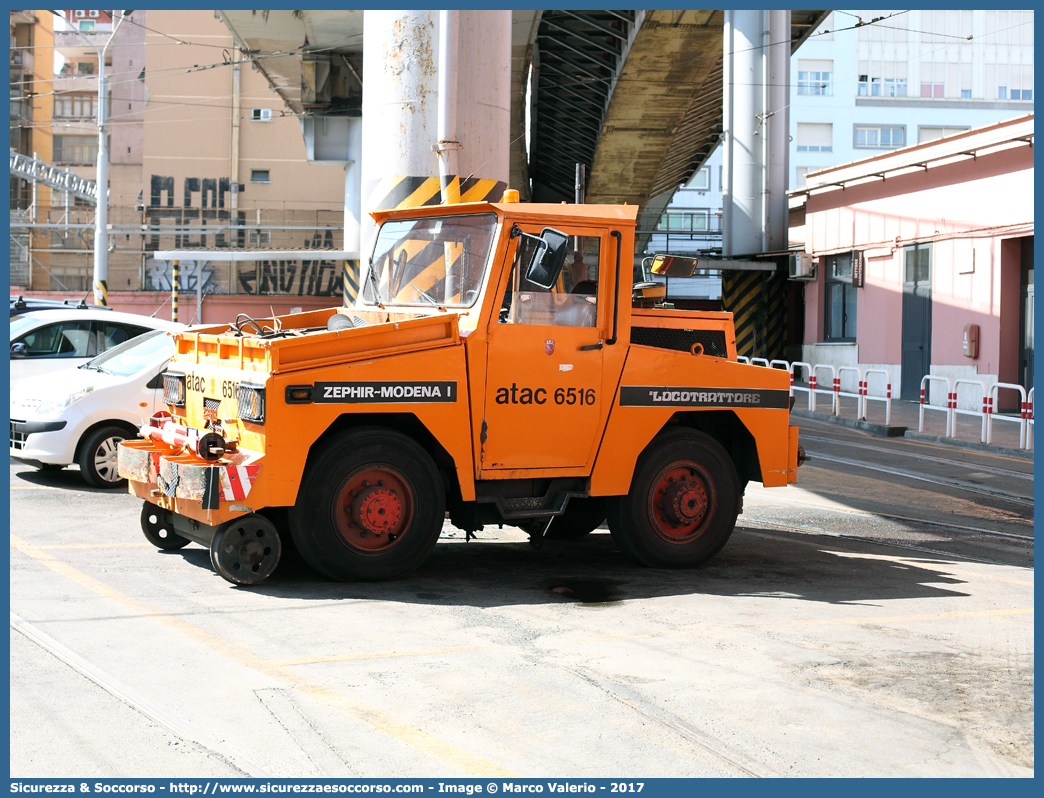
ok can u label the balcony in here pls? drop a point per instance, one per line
(23, 17)
(21, 111)
(22, 58)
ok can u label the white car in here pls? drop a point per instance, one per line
(51, 340)
(80, 415)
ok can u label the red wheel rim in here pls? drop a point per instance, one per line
(374, 509)
(682, 502)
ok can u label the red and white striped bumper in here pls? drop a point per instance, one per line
(167, 460)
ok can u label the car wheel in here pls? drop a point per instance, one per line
(97, 458)
(682, 505)
(370, 507)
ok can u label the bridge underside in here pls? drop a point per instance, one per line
(635, 96)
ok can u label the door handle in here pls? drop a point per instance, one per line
(589, 347)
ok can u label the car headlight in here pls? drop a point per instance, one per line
(55, 405)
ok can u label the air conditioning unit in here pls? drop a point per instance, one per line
(802, 266)
(79, 14)
(94, 14)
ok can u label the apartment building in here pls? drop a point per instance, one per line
(202, 153)
(32, 39)
(867, 82)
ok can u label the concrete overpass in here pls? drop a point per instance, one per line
(636, 96)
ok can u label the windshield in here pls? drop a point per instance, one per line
(432, 262)
(134, 355)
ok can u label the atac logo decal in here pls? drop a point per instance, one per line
(549, 346)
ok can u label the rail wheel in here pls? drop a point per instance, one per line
(682, 505)
(582, 516)
(158, 526)
(371, 506)
(246, 550)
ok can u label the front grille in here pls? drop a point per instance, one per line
(713, 341)
(210, 412)
(17, 438)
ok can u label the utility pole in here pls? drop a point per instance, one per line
(101, 216)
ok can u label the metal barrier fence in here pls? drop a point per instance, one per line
(949, 409)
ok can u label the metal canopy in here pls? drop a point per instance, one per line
(255, 254)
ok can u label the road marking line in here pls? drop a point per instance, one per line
(59, 546)
(375, 718)
(128, 696)
(422, 652)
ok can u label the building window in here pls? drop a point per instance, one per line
(840, 299)
(881, 87)
(932, 133)
(802, 174)
(261, 115)
(75, 149)
(259, 176)
(85, 68)
(696, 221)
(76, 105)
(933, 90)
(814, 78)
(882, 138)
(815, 137)
(701, 180)
(1024, 94)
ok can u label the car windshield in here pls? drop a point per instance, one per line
(433, 262)
(134, 355)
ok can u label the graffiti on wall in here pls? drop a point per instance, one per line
(203, 205)
(159, 276)
(298, 277)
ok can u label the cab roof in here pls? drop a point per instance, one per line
(541, 211)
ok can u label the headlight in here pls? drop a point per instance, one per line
(54, 406)
(251, 399)
(174, 388)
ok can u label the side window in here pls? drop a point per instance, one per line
(67, 339)
(111, 334)
(571, 302)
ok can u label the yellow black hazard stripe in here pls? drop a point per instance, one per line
(757, 301)
(412, 192)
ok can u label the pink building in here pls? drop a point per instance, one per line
(911, 246)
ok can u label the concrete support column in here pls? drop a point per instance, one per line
(400, 167)
(755, 115)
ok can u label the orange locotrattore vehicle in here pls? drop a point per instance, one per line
(499, 366)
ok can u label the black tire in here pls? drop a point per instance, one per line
(246, 550)
(582, 516)
(97, 458)
(682, 505)
(158, 526)
(370, 507)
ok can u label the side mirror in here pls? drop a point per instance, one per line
(673, 266)
(18, 350)
(549, 257)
